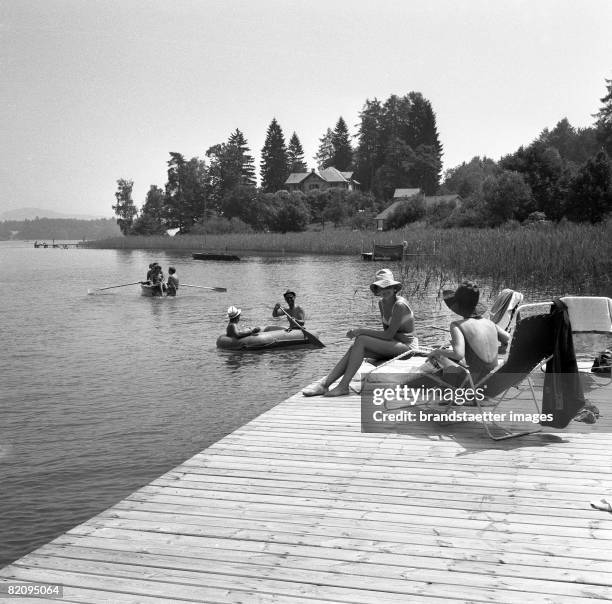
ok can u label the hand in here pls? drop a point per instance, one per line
(352, 333)
(277, 306)
(256, 330)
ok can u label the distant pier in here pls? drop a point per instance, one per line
(299, 506)
(53, 244)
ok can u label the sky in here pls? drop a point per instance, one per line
(97, 91)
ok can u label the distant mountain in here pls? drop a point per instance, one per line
(31, 213)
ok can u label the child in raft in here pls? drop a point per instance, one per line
(232, 331)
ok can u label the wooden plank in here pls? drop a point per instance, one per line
(299, 505)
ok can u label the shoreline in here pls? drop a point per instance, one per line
(567, 258)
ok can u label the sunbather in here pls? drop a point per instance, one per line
(474, 340)
(397, 336)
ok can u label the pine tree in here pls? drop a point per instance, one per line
(343, 151)
(325, 154)
(274, 161)
(421, 134)
(604, 120)
(368, 155)
(295, 155)
(246, 164)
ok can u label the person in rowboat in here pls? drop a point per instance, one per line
(396, 337)
(292, 310)
(173, 283)
(232, 331)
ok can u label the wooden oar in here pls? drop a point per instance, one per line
(309, 336)
(215, 289)
(99, 289)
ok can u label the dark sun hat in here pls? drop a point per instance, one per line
(464, 300)
(289, 293)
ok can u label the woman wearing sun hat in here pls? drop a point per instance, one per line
(474, 340)
(232, 331)
(397, 336)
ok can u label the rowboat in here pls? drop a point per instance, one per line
(151, 291)
(273, 338)
(214, 256)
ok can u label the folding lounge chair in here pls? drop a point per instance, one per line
(591, 321)
(531, 346)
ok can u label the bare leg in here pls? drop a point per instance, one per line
(339, 369)
(363, 346)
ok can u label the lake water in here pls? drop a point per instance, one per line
(100, 394)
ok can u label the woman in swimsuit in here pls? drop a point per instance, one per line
(474, 340)
(397, 336)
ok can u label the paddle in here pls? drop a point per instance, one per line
(309, 336)
(215, 289)
(99, 289)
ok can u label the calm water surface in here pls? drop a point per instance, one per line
(100, 394)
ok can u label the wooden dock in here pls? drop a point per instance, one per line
(298, 506)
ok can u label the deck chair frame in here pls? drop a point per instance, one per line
(492, 428)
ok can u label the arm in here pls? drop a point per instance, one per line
(233, 331)
(398, 314)
(298, 319)
(502, 336)
(457, 352)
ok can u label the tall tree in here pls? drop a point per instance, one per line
(151, 218)
(542, 169)
(224, 173)
(368, 155)
(574, 145)
(343, 151)
(239, 149)
(421, 134)
(274, 161)
(295, 155)
(505, 195)
(467, 178)
(325, 155)
(185, 192)
(604, 120)
(124, 208)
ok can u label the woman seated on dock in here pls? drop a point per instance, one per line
(396, 337)
(474, 340)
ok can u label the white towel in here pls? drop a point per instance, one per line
(589, 313)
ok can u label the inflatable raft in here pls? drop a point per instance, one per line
(274, 338)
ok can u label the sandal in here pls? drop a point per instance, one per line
(602, 504)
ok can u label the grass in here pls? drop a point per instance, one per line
(569, 258)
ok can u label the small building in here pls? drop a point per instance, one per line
(402, 195)
(399, 197)
(325, 179)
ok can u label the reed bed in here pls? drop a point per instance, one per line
(563, 259)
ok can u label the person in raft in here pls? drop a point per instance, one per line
(397, 336)
(172, 284)
(292, 310)
(232, 331)
(474, 340)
